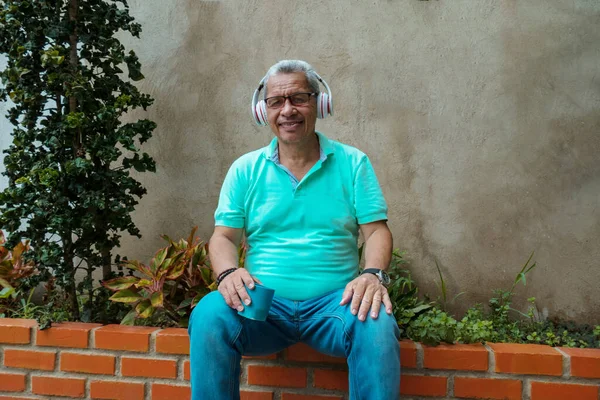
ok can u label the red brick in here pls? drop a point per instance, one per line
(16, 398)
(245, 395)
(148, 367)
(483, 388)
(466, 357)
(267, 357)
(116, 390)
(186, 370)
(120, 337)
(408, 354)
(305, 353)
(563, 391)
(415, 385)
(585, 363)
(16, 331)
(69, 334)
(527, 359)
(87, 363)
(173, 341)
(29, 359)
(12, 382)
(51, 386)
(276, 376)
(331, 379)
(170, 392)
(293, 396)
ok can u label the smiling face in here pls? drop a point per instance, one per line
(291, 124)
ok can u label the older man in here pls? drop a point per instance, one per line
(301, 202)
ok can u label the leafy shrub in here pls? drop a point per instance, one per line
(404, 292)
(71, 160)
(13, 267)
(176, 279)
(501, 323)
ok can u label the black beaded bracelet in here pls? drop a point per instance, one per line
(223, 274)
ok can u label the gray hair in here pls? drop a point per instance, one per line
(292, 66)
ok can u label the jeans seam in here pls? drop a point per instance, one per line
(236, 336)
(232, 367)
(336, 316)
(352, 374)
(354, 385)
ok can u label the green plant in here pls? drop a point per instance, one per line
(13, 271)
(404, 292)
(433, 327)
(176, 279)
(443, 299)
(70, 189)
(13, 267)
(45, 313)
(436, 325)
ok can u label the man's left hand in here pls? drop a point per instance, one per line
(366, 293)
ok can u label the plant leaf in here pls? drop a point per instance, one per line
(156, 299)
(126, 296)
(176, 271)
(124, 282)
(185, 303)
(144, 309)
(6, 292)
(420, 308)
(196, 300)
(135, 265)
(5, 283)
(191, 237)
(129, 319)
(158, 259)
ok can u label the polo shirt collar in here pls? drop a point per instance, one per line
(271, 150)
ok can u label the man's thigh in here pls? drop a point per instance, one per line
(332, 329)
(213, 321)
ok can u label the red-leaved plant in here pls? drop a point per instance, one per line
(13, 268)
(178, 276)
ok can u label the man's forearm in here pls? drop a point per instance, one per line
(223, 254)
(378, 249)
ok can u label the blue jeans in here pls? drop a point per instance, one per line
(219, 337)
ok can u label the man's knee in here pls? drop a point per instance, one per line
(211, 312)
(383, 329)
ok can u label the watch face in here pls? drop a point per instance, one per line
(385, 278)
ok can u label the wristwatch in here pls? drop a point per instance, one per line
(383, 277)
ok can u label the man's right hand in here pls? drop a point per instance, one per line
(233, 290)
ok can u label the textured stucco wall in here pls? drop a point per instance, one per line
(482, 119)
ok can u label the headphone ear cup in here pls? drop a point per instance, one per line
(261, 113)
(324, 106)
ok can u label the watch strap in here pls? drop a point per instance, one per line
(379, 273)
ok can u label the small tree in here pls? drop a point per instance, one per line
(69, 166)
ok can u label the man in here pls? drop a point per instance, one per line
(301, 202)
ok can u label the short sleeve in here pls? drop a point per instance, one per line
(231, 210)
(369, 202)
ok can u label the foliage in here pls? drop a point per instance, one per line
(47, 311)
(13, 267)
(501, 323)
(69, 166)
(403, 292)
(443, 299)
(176, 279)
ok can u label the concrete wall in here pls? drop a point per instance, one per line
(482, 119)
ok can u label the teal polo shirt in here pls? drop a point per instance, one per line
(302, 235)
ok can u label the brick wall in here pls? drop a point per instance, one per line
(76, 360)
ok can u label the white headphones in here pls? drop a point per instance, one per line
(259, 108)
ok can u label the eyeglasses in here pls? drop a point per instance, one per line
(297, 99)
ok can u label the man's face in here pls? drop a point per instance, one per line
(290, 123)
